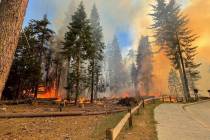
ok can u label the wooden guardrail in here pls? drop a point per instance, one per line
(111, 134)
(168, 98)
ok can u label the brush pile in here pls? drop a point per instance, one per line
(128, 101)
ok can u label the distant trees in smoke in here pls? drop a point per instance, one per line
(144, 65)
(115, 68)
(174, 83)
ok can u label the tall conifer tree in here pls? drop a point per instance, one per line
(77, 46)
(96, 55)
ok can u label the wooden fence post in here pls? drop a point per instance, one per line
(163, 98)
(138, 110)
(170, 99)
(143, 103)
(130, 118)
(109, 134)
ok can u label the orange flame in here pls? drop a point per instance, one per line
(48, 94)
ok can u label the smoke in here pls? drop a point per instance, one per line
(133, 15)
(114, 14)
(199, 15)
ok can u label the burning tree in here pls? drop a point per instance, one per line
(172, 34)
(26, 72)
(11, 17)
(144, 65)
(43, 36)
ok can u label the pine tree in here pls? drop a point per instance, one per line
(11, 19)
(193, 74)
(159, 16)
(96, 55)
(77, 46)
(115, 66)
(25, 70)
(174, 36)
(144, 64)
(43, 35)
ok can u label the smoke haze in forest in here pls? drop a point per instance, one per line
(131, 16)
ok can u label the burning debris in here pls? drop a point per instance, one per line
(128, 101)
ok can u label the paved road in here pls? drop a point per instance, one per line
(179, 122)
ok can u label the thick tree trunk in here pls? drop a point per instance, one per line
(12, 13)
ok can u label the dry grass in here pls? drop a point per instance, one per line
(143, 126)
(108, 122)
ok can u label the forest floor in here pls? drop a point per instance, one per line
(48, 107)
(58, 128)
(61, 128)
(144, 125)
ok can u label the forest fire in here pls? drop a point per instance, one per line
(48, 94)
(125, 95)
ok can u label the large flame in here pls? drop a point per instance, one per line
(48, 93)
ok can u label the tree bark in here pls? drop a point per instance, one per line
(12, 13)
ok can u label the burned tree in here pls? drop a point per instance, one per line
(11, 19)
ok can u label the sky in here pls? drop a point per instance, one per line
(129, 20)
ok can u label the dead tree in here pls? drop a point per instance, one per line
(12, 13)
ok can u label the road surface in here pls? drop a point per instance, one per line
(183, 122)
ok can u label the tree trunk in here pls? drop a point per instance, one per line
(36, 90)
(182, 67)
(12, 13)
(183, 83)
(67, 81)
(78, 79)
(96, 90)
(92, 81)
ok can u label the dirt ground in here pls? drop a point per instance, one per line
(43, 107)
(64, 128)
(59, 128)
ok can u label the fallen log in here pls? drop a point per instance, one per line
(15, 102)
(56, 114)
